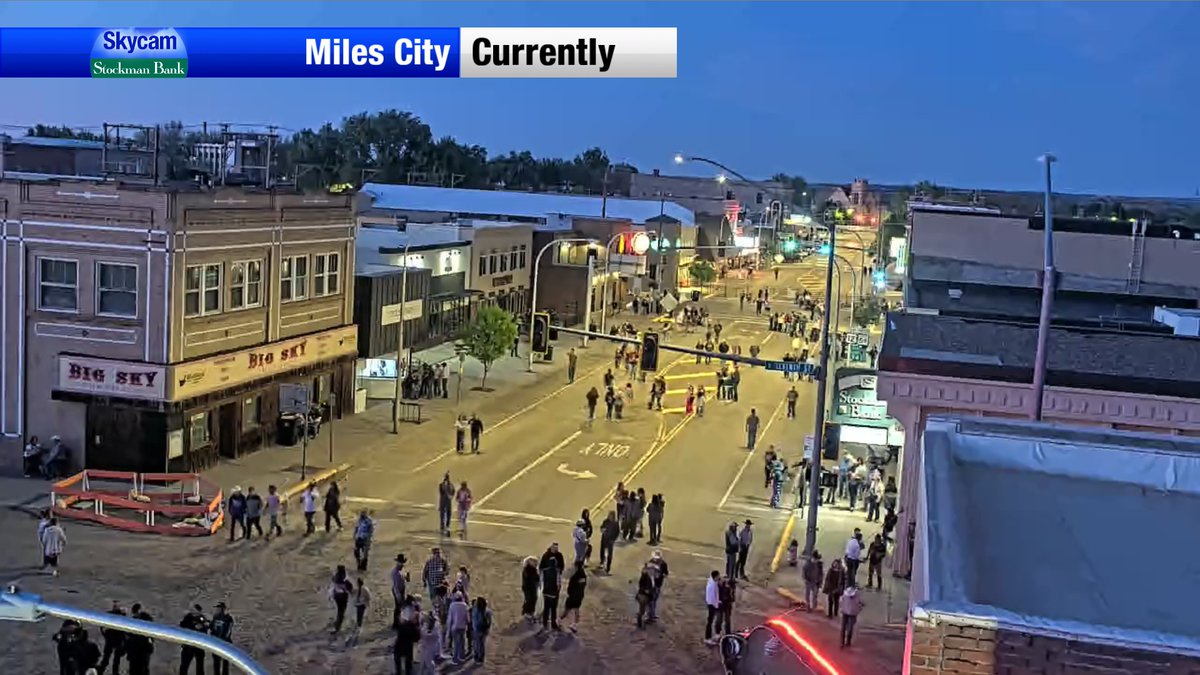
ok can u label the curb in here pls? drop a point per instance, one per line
(291, 492)
(790, 596)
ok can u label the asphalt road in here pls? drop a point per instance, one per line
(540, 468)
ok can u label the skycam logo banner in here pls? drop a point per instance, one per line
(338, 52)
(139, 53)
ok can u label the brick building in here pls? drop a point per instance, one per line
(150, 327)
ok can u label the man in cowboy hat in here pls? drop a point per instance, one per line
(399, 588)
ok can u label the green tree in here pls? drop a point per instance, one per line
(702, 272)
(490, 336)
(868, 311)
(52, 131)
(798, 185)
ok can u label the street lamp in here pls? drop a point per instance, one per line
(399, 342)
(537, 259)
(814, 485)
(1048, 280)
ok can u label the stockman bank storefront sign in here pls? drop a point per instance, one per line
(205, 376)
(864, 418)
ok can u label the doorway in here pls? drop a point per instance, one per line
(115, 440)
(228, 426)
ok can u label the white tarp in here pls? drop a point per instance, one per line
(1061, 530)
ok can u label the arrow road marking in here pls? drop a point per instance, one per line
(562, 468)
(528, 467)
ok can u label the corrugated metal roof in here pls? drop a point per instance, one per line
(519, 204)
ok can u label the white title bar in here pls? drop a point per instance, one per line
(569, 52)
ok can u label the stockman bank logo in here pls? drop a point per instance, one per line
(139, 53)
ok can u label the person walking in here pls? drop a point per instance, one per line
(792, 397)
(576, 588)
(854, 551)
(813, 573)
(274, 511)
(309, 500)
(221, 627)
(431, 643)
(551, 568)
(460, 434)
(196, 621)
(399, 579)
(333, 506)
(464, 499)
(609, 531)
(476, 426)
(236, 506)
(433, 575)
(645, 591)
(835, 584)
(751, 429)
(745, 539)
(852, 605)
(114, 643)
(458, 619)
(593, 397)
(340, 590)
(445, 503)
(481, 626)
(54, 542)
(364, 532)
(655, 511)
(659, 572)
(728, 595)
(876, 553)
(731, 550)
(712, 600)
(408, 634)
(572, 362)
(586, 517)
(531, 582)
(254, 509)
(579, 539)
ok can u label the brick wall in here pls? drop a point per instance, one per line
(947, 648)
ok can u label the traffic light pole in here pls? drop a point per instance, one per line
(814, 483)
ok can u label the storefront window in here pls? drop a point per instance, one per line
(250, 413)
(199, 431)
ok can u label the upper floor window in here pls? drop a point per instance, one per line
(116, 289)
(512, 259)
(325, 273)
(293, 274)
(245, 284)
(483, 264)
(202, 289)
(502, 258)
(58, 285)
(523, 260)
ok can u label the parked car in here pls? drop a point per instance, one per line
(774, 647)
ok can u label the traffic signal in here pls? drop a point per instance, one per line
(539, 335)
(831, 440)
(649, 351)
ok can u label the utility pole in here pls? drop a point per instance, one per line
(1048, 280)
(814, 486)
(400, 343)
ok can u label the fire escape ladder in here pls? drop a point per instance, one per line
(1138, 238)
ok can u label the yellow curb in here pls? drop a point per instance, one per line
(690, 376)
(795, 599)
(319, 477)
(783, 542)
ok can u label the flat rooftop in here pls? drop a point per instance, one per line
(1062, 530)
(1107, 360)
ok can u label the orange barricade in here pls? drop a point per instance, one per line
(181, 504)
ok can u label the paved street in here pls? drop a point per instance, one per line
(541, 463)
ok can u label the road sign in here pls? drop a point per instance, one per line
(857, 338)
(809, 444)
(295, 398)
(790, 367)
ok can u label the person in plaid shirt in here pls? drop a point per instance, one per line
(435, 571)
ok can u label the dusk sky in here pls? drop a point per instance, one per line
(962, 94)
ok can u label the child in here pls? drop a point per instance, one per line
(793, 553)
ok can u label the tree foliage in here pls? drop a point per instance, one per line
(798, 185)
(702, 272)
(868, 311)
(490, 336)
(51, 131)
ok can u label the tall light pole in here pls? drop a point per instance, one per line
(604, 281)
(814, 485)
(400, 342)
(537, 260)
(1048, 281)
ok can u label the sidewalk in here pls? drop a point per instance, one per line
(365, 441)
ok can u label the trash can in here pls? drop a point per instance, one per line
(549, 355)
(288, 430)
(695, 296)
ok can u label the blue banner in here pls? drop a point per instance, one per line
(229, 52)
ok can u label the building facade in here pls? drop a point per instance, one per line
(153, 327)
